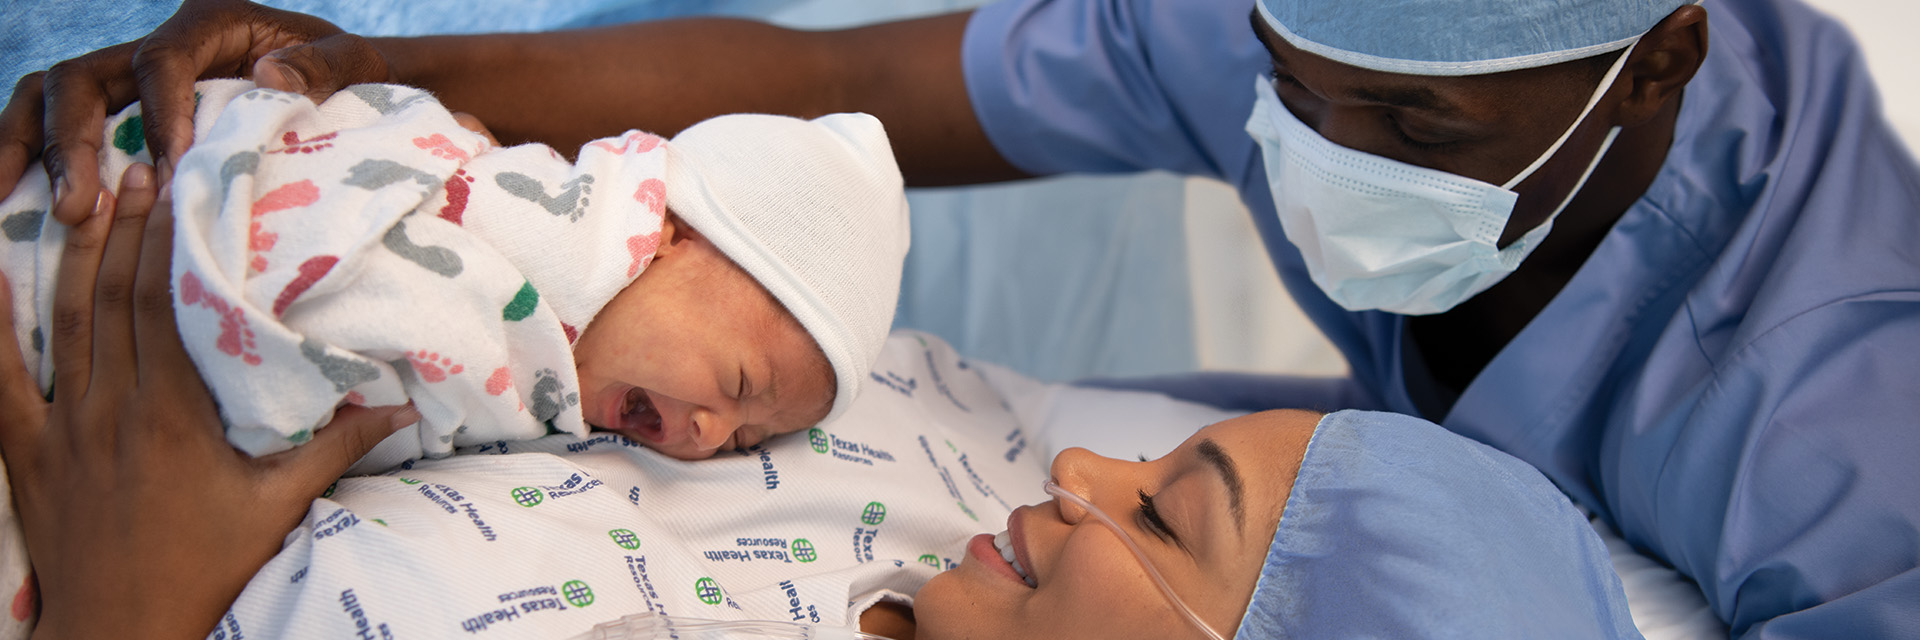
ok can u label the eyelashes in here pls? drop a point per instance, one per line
(1154, 523)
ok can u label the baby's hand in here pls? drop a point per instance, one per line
(473, 124)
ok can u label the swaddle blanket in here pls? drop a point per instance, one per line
(370, 250)
(546, 538)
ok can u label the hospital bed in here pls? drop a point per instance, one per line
(1057, 279)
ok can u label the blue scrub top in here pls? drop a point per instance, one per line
(1732, 379)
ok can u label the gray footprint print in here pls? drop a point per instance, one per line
(344, 373)
(24, 226)
(550, 397)
(570, 202)
(380, 97)
(439, 260)
(374, 174)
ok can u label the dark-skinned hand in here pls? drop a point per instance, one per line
(140, 520)
(57, 115)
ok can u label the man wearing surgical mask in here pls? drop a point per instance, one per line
(1680, 279)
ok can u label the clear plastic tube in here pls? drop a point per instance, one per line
(1165, 589)
(649, 626)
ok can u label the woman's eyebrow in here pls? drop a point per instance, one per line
(1216, 457)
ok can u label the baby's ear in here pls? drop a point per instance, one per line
(670, 235)
(674, 232)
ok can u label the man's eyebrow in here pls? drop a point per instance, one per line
(1211, 452)
(1420, 98)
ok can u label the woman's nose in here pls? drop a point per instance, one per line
(1075, 471)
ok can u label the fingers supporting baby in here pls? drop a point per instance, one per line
(353, 432)
(318, 69)
(113, 285)
(154, 330)
(20, 131)
(78, 94)
(71, 326)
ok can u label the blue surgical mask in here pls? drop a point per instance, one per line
(1378, 233)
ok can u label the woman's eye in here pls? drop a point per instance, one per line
(1154, 523)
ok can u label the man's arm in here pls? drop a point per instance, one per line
(566, 88)
(562, 88)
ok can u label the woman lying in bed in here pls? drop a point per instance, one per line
(142, 522)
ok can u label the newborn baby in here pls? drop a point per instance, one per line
(695, 294)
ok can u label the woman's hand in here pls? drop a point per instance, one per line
(140, 520)
(57, 115)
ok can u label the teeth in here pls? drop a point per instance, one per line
(1002, 542)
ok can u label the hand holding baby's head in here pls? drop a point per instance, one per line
(770, 293)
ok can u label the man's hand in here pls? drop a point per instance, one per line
(140, 520)
(57, 115)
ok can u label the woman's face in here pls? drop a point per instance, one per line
(1204, 515)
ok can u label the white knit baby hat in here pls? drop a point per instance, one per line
(815, 211)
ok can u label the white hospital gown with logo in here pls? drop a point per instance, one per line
(550, 537)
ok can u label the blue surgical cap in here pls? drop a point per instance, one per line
(1398, 528)
(1462, 37)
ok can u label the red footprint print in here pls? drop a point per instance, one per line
(287, 196)
(236, 338)
(653, 193)
(500, 381)
(295, 145)
(572, 333)
(354, 397)
(26, 600)
(634, 142)
(458, 190)
(310, 272)
(441, 147)
(642, 248)
(432, 367)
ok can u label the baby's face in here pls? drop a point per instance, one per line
(695, 357)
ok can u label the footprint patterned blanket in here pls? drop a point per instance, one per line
(370, 250)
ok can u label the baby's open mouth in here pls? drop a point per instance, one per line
(638, 418)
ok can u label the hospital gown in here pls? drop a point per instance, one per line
(1731, 377)
(547, 538)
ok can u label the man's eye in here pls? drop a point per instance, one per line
(1417, 143)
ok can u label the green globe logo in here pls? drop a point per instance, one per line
(577, 593)
(707, 590)
(930, 560)
(527, 496)
(818, 439)
(625, 538)
(874, 514)
(803, 550)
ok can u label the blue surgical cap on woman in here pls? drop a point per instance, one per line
(1462, 37)
(1398, 528)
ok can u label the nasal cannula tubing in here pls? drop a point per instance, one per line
(1165, 589)
(654, 626)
